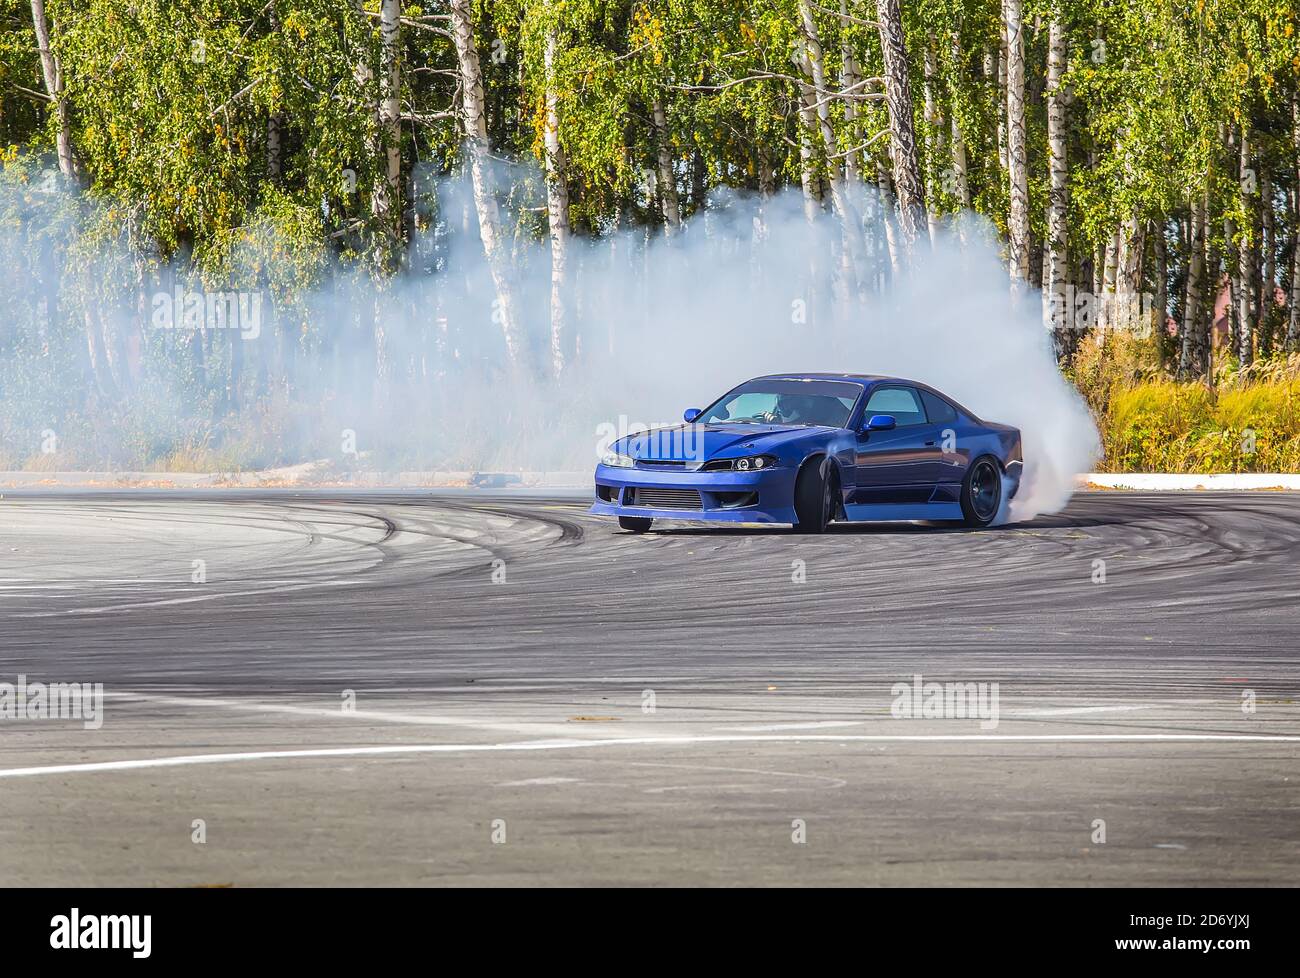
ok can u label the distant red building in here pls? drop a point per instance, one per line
(1222, 323)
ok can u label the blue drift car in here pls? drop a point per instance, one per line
(806, 449)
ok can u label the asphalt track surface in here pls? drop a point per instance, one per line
(464, 688)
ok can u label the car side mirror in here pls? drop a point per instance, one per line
(881, 422)
(690, 414)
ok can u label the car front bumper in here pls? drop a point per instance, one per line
(712, 497)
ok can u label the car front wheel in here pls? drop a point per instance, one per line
(637, 524)
(815, 493)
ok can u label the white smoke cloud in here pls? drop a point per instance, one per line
(713, 309)
(748, 287)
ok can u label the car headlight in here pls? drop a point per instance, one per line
(617, 461)
(748, 463)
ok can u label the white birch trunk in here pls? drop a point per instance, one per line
(1161, 310)
(849, 78)
(474, 116)
(386, 201)
(1192, 355)
(960, 168)
(1002, 96)
(1293, 326)
(809, 179)
(1017, 166)
(1128, 273)
(892, 233)
(934, 141)
(1058, 178)
(1266, 297)
(898, 98)
(672, 207)
(844, 209)
(557, 209)
(1245, 278)
(1109, 277)
(52, 72)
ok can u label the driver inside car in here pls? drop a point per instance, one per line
(793, 409)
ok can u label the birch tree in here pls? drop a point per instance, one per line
(1293, 328)
(1264, 259)
(908, 185)
(667, 182)
(1245, 266)
(1192, 356)
(813, 60)
(52, 72)
(557, 206)
(961, 178)
(850, 79)
(1017, 162)
(934, 140)
(810, 180)
(1129, 272)
(1058, 177)
(386, 199)
(505, 310)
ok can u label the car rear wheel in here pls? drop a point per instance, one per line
(981, 492)
(637, 524)
(815, 493)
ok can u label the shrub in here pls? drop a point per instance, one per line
(1150, 423)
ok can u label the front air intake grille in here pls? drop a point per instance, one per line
(737, 500)
(667, 498)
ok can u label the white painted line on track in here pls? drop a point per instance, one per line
(338, 713)
(186, 760)
(810, 725)
(1065, 711)
(570, 680)
(1055, 711)
(214, 596)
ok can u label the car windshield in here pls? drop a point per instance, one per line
(785, 402)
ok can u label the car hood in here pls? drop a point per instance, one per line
(700, 443)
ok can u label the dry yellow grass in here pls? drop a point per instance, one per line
(1248, 422)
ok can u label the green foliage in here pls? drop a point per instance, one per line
(171, 107)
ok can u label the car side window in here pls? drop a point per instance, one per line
(938, 410)
(901, 402)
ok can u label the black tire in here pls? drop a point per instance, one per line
(637, 524)
(814, 496)
(981, 492)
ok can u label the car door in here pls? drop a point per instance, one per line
(949, 463)
(897, 466)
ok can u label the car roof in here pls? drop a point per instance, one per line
(862, 379)
(866, 380)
